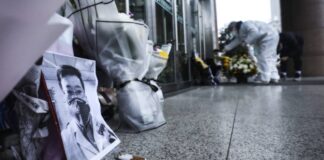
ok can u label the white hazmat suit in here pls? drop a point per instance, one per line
(264, 40)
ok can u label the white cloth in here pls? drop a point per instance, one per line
(264, 39)
(78, 147)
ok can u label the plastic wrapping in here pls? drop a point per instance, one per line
(140, 107)
(141, 102)
(32, 114)
(127, 57)
(122, 49)
(158, 62)
(119, 46)
(84, 15)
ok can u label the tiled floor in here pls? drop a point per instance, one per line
(236, 122)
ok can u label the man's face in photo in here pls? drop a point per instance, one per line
(74, 92)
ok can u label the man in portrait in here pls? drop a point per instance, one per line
(84, 136)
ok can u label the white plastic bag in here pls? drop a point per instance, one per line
(140, 107)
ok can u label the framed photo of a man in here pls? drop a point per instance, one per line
(72, 85)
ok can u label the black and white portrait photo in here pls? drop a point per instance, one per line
(73, 87)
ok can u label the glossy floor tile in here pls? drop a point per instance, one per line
(236, 122)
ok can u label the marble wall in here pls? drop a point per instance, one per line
(306, 17)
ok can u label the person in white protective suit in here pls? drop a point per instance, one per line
(264, 39)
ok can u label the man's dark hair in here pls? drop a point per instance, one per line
(235, 25)
(67, 70)
(157, 45)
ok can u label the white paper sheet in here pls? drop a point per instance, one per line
(76, 144)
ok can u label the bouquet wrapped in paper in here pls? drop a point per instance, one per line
(85, 15)
(207, 76)
(158, 63)
(126, 58)
(119, 46)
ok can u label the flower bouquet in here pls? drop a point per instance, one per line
(226, 62)
(237, 62)
(242, 67)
